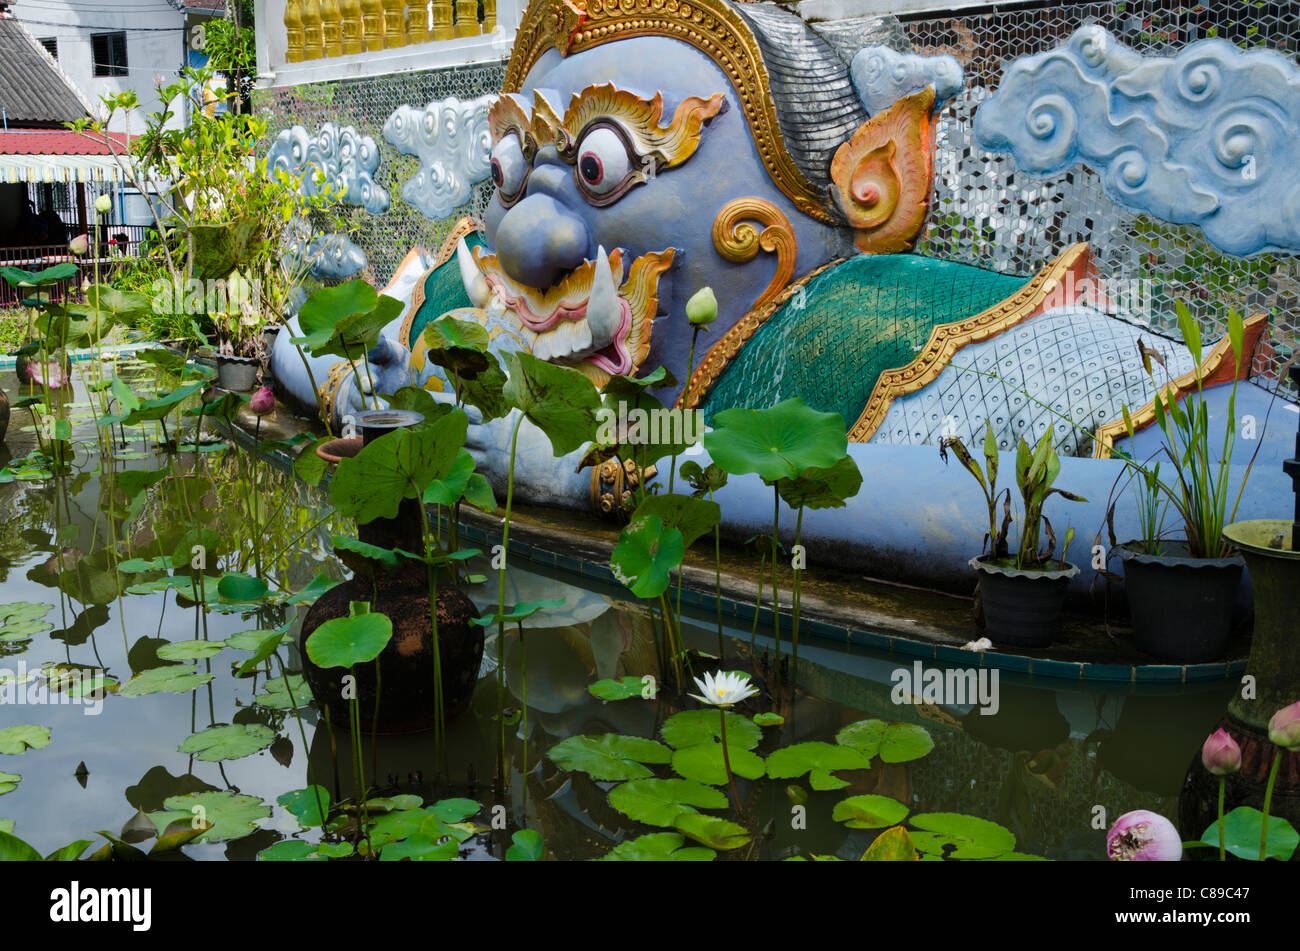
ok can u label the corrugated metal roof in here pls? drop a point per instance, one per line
(33, 90)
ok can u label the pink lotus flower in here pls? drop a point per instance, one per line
(52, 374)
(1220, 754)
(1143, 836)
(262, 402)
(1284, 728)
(80, 245)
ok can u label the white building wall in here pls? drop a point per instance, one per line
(155, 41)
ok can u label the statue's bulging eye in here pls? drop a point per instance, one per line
(604, 164)
(509, 169)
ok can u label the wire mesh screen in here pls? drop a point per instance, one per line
(986, 212)
(367, 103)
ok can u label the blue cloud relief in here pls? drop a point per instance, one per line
(1208, 137)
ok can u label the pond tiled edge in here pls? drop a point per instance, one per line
(477, 536)
(117, 349)
(887, 643)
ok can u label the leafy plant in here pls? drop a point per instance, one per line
(1036, 471)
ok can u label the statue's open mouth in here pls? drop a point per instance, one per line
(594, 318)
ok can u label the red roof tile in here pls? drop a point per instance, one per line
(54, 142)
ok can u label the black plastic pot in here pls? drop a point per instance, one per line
(1181, 607)
(237, 374)
(1022, 608)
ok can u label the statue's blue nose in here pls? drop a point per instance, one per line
(539, 240)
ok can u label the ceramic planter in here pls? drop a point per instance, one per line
(1022, 608)
(403, 694)
(1181, 606)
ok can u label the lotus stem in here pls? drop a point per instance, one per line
(726, 762)
(1268, 802)
(1223, 781)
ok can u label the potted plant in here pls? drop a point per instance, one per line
(228, 225)
(1022, 591)
(1181, 591)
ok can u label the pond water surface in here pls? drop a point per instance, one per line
(1039, 766)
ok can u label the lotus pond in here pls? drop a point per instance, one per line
(149, 707)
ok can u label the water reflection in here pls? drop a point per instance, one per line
(1040, 765)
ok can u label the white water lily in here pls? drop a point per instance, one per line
(725, 689)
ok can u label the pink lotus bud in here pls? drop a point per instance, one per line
(79, 245)
(1143, 836)
(51, 374)
(1284, 728)
(1221, 754)
(262, 402)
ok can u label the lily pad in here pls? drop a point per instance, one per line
(560, 401)
(658, 802)
(16, 739)
(610, 756)
(190, 650)
(527, 846)
(9, 782)
(249, 640)
(712, 831)
(892, 845)
(173, 678)
(419, 847)
(659, 847)
(776, 443)
(625, 688)
(817, 759)
(768, 719)
(869, 812)
(292, 850)
(308, 806)
(1242, 829)
(971, 837)
(345, 641)
(689, 515)
(646, 554)
(703, 763)
(893, 742)
(231, 815)
(277, 693)
(21, 620)
(238, 588)
(228, 742)
(692, 727)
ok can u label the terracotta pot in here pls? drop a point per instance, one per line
(405, 686)
(337, 450)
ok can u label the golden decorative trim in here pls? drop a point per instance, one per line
(710, 26)
(722, 352)
(1215, 368)
(329, 390)
(612, 483)
(946, 339)
(672, 144)
(738, 241)
(462, 228)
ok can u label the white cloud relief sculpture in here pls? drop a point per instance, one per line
(344, 159)
(1206, 137)
(451, 139)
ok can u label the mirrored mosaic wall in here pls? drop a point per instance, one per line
(984, 212)
(367, 104)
